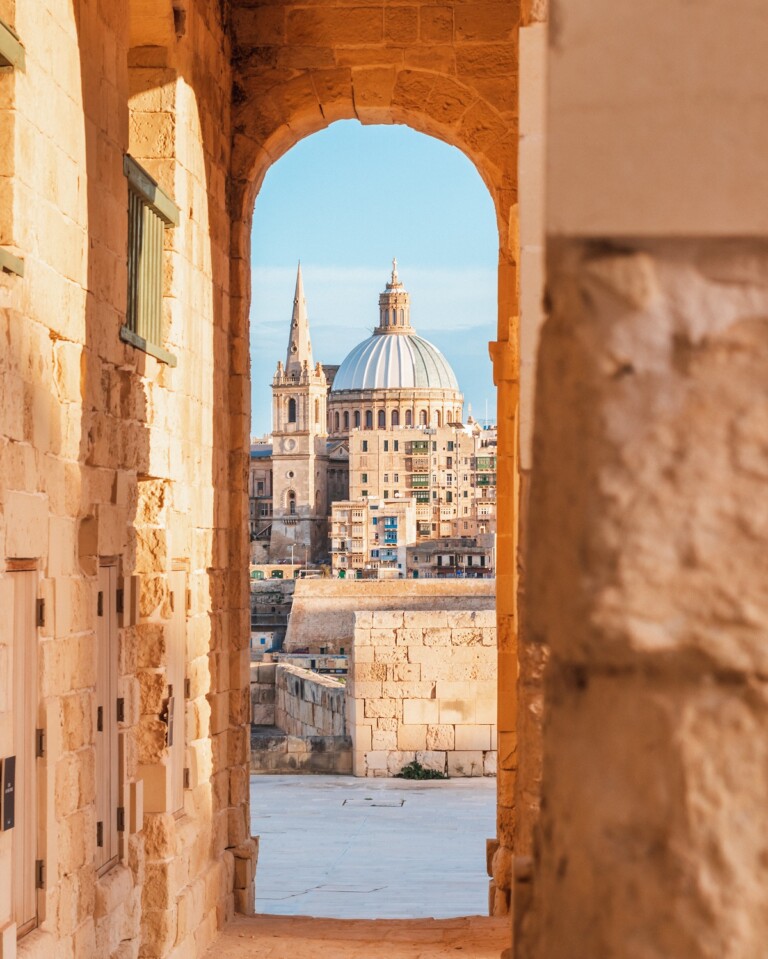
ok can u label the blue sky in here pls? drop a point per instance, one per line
(344, 202)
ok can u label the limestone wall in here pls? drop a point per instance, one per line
(307, 704)
(299, 722)
(109, 460)
(323, 612)
(263, 694)
(423, 687)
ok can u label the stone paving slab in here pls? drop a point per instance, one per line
(336, 846)
(301, 937)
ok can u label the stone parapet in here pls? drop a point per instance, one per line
(423, 687)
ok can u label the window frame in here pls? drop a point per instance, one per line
(156, 200)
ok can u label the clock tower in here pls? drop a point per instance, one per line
(299, 446)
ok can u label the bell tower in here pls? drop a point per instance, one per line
(299, 446)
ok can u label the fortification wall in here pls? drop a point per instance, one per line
(323, 613)
(423, 687)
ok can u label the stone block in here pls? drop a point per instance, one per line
(437, 636)
(26, 525)
(263, 715)
(383, 739)
(375, 708)
(362, 738)
(441, 736)
(396, 761)
(8, 941)
(457, 711)
(465, 764)
(412, 737)
(432, 759)
(376, 759)
(490, 763)
(473, 737)
(416, 711)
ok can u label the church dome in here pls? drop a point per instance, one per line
(390, 361)
(395, 357)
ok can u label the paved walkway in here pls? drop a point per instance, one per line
(278, 937)
(335, 846)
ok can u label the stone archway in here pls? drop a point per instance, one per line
(448, 71)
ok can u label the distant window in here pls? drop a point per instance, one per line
(408, 418)
(397, 445)
(386, 494)
(386, 446)
(365, 446)
(395, 418)
(382, 420)
(369, 419)
(365, 477)
(423, 418)
(364, 492)
(291, 410)
(336, 422)
(292, 503)
(450, 446)
(346, 420)
(396, 478)
(386, 477)
(438, 418)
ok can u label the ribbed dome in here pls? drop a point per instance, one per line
(385, 362)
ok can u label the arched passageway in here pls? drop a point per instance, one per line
(444, 71)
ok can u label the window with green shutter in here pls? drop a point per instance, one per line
(150, 213)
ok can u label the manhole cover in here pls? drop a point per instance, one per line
(370, 802)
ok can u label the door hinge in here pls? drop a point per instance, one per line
(41, 612)
(39, 743)
(121, 710)
(100, 604)
(120, 601)
(121, 818)
(39, 874)
(187, 777)
(100, 834)
(99, 719)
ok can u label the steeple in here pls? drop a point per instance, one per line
(394, 306)
(299, 347)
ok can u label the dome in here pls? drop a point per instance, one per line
(391, 362)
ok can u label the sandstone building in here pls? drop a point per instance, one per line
(631, 451)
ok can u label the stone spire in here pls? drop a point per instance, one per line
(394, 306)
(299, 353)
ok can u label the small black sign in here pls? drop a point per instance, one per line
(9, 792)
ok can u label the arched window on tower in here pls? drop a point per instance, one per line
(402, 317)
(357, 419)
(408, 418)
(369, 419)
(438, 418)
(382, 420)
(346, 419)
(291, 410)
(291, 502)
(317, 412)
(395, 417)
(423, 418)
(336, 422)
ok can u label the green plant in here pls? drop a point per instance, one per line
(414, 770)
